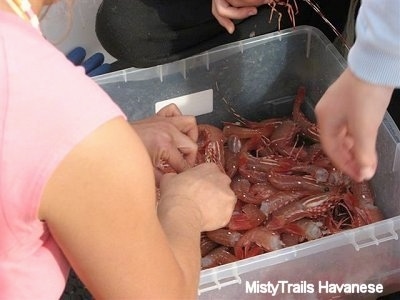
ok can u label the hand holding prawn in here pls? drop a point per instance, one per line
(170, 139)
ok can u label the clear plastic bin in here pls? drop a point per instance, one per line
(259, 78)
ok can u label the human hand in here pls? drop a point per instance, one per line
(170, 138)
(202, 191)
(227, 10)
(349, 115)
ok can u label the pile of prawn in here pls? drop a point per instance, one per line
(288, 191)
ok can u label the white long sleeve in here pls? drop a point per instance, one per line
(375, 55)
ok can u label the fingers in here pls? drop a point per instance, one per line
(224, 12)
(189, 155)
(337, 139)
(337, 144)
(352, 152)
(223, 21)
(169, 145)
(364, 136)
(186, 125)
(243, 3)
(236, 13)
(176, 159)
(169, 138)
(171, 110)
(183, 155)
(226, 23)
(349, 115)
(184, 134)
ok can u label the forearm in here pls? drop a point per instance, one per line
(182, 230)
(375, 56)
(198, 199)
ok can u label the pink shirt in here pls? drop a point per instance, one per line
(47, 106)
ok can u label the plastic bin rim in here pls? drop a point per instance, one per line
(276, 35)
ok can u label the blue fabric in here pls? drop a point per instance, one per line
(93, 66)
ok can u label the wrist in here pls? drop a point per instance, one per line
(170, 213)
(366, 85)
(366, 91)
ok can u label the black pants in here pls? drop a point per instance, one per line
(145, 33)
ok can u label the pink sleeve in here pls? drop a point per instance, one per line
(51, 107)
(55, 105)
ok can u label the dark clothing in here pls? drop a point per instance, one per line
(145, 33)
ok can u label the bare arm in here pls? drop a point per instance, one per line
(100, 206)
